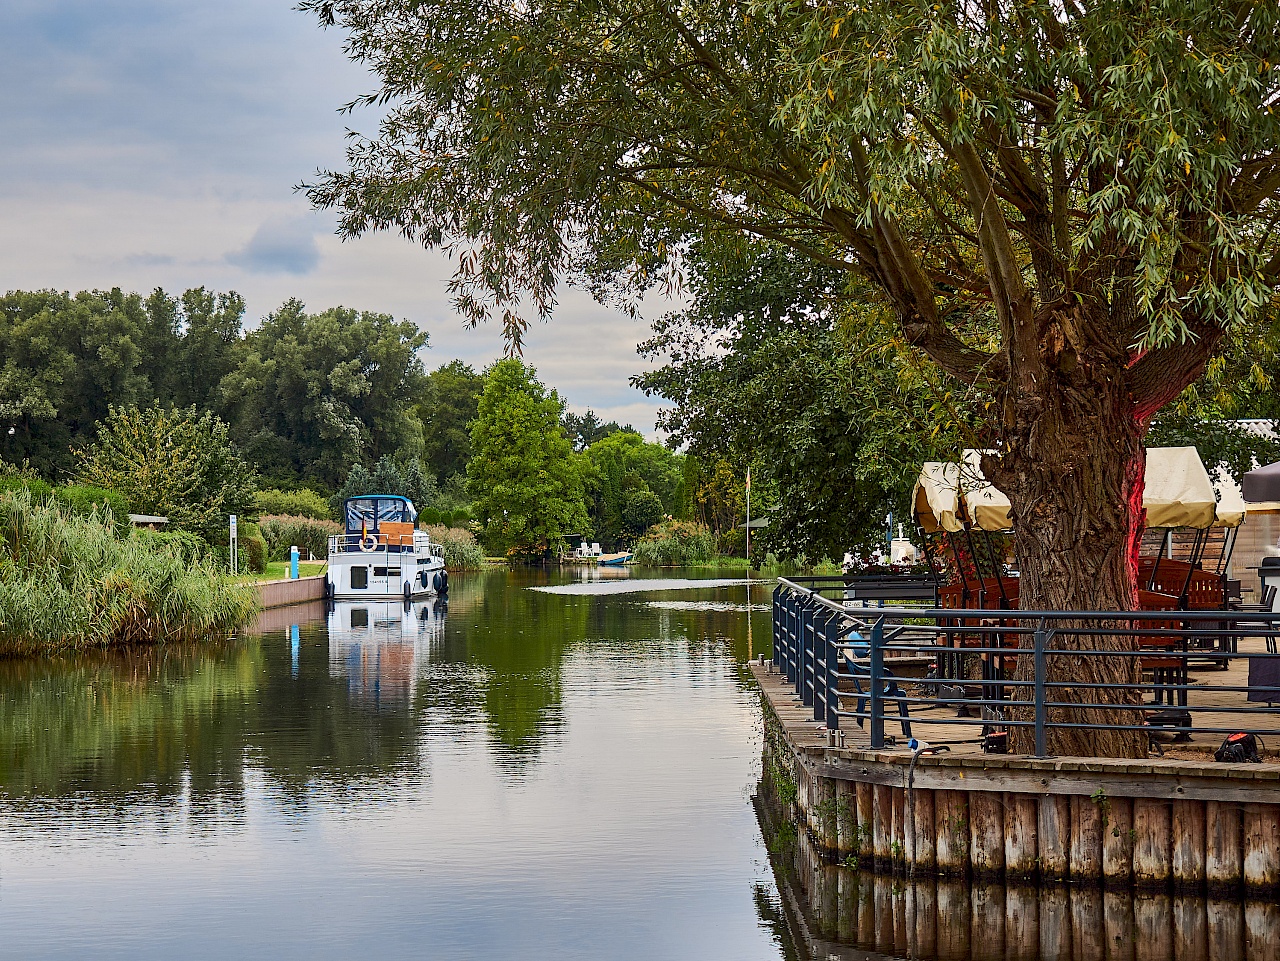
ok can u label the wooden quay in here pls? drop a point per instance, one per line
(1181, 822)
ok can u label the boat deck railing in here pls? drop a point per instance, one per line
(370, 543)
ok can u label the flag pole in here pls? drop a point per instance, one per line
(748, 521)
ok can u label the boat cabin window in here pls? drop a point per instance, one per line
(359, 578)
(365, 514)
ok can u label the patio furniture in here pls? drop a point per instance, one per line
(859, 670)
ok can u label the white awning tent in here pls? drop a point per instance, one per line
(1178, 494)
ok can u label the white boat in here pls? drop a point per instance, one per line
(382, 555)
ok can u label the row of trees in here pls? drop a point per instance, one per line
(170, 402)
(537, 476)
(304, 395)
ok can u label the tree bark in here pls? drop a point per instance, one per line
(1072, 464)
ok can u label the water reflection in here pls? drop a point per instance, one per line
(381, 647)
(846, 913)
(556, 776)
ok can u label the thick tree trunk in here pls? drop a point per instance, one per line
(1073, 470)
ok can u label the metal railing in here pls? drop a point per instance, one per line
(832, 644)
(370, 543)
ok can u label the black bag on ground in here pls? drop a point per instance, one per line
(1238, 748)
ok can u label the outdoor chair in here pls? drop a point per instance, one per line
(859, 669)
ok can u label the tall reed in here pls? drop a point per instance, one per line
(72, 582)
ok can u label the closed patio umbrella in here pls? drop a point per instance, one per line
(1263, 484)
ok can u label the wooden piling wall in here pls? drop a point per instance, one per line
(1185, 827)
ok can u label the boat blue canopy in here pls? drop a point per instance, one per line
(366, 512)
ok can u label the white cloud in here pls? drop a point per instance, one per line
(158, 143)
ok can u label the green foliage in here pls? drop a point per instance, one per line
(631, 485)
(39, 490)
(175, 463)
(640, 510)
(526, 486)
(586, 429)
(448, 405)
(388, 476)
(72, 582)
(770, 367)
(90, 501)
(306, 533)
(297, 503)
(461, 552)
(446, 518)
(254, 546)
(675, 544)
(314, 393)
(67, 359)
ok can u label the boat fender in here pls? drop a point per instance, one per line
(368, 543)
(408, 592)
(435, 583)
(423, 580)
(444, 582)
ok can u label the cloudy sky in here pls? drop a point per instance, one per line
(157, 143)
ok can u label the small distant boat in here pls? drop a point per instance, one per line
(614, 560)
(383, 555)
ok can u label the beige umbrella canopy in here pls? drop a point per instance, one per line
(1178, 494)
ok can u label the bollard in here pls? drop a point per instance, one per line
(293, 563)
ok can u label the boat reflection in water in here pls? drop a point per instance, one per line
(843, 913)
(379, 647)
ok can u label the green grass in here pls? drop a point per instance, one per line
(279, 570)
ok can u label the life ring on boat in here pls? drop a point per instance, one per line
(369, 543)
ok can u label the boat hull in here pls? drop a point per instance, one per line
(379, 576)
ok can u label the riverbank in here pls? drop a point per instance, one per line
(1159, 823)
(72, 582)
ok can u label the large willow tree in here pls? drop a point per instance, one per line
(1063, 203)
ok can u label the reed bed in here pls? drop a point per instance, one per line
(73, 582)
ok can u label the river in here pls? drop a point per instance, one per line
(537, 774)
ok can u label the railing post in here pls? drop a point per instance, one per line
(1040, 639)
(876, 696)
(778, 613)
(832, 697)
(806, 652)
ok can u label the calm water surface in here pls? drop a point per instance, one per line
(527, 774)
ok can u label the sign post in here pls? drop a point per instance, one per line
(235, 546)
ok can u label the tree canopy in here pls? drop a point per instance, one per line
(315, 393)
(631, 485)
(447, 406)
(525, 483)
(770, 367)
(178, 464)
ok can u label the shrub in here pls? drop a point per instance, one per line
(675, 544)
(461, 552)
(39, 491)
(308, 534)
(85, 501)
(299, 503)
(254, 546)
(73, 582)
